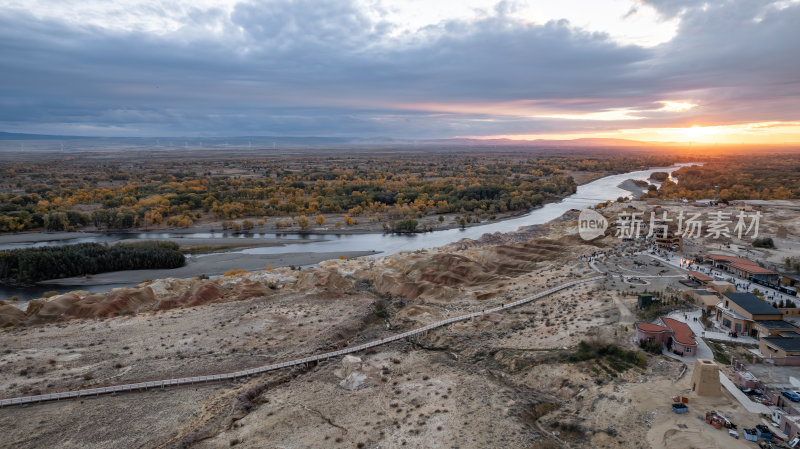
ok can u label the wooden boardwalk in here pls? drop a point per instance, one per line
(140, 386)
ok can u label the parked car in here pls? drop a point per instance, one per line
(752, 391)
(793, 396)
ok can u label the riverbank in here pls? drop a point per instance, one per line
(213, 234)
(38, 237)
(271, 227)
(212, 238)
(209, 265)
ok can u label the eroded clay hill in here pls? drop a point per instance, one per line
(432, 275)
(161, 294)
(444, 276)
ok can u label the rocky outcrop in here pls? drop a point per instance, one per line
(353, 381)
(445, 276)
(162, 294)
(323, 279)
(10, 315)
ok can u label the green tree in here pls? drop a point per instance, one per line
(407, 225)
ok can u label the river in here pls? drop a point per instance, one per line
(588, 194)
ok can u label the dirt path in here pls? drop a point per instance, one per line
(625, 314)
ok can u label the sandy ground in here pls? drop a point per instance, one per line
(499, 381)
(476, 384)
(631, 186)
(208, 264)
(458, 387)
(31, 237)
(670, 430)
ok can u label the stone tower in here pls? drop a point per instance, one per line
(705, 378)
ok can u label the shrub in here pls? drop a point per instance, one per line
(764, 242)
(405, 226)
(651, 346)
(616, 357)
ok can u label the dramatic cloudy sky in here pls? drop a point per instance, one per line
(675, 70)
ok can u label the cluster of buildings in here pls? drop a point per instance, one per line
(747, 314)
(740, 314)
(767, 319)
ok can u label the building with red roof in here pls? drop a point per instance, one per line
(742, 268)
(700, 278)
(676, 335)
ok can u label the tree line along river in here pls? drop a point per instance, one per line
(589, 194)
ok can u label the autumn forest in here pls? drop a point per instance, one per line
(391, 190)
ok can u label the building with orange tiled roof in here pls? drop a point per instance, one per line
(742, 268)
(699, 277)
(676, 335)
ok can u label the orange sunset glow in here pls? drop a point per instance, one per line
(774, 133)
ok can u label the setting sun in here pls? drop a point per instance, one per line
(775, 133)
(697, 132)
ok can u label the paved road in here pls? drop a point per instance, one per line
(625, 314)
(163, 383)
(752, 407)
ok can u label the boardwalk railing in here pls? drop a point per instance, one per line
(276, 366)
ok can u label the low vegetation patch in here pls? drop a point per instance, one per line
(653, 347)
(720, 352)
(764, 242)
(610, 357)
(671, 301)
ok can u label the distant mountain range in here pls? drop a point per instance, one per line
(314, 140)
(238, 139)
(21, 136)
(48, 142)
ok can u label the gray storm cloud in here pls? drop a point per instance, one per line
(326, 68)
